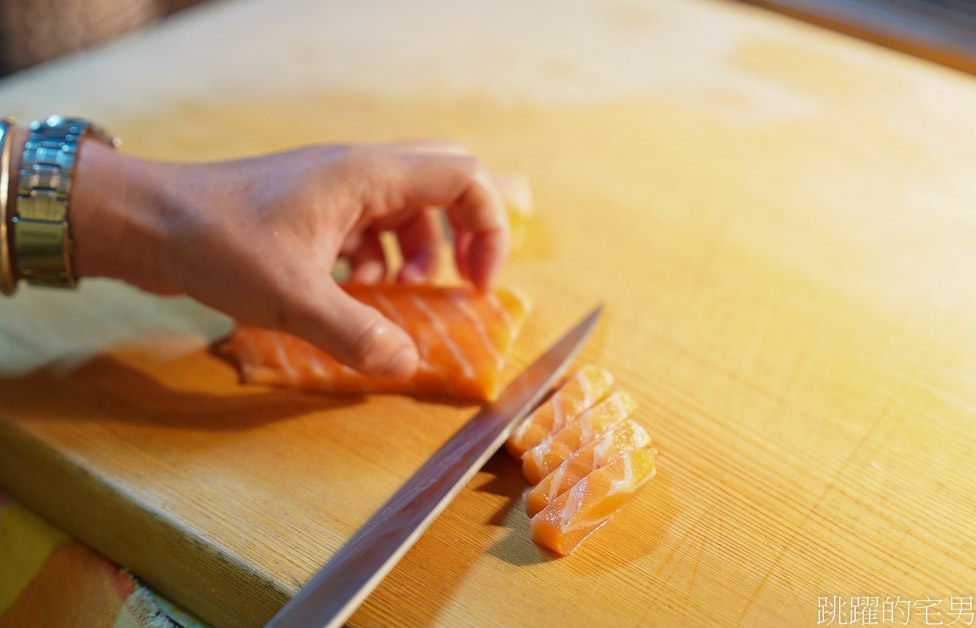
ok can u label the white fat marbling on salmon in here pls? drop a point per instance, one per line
(522, 428)
(444, 335)
(316, 364)
(626, 482)
(635, 485)
(388, 308)
(537, 455)
(585, 387)
(557, 482)
(538, 452)
(462, 306)
(600, 450)
(573, 500)
(423, 355)
(589, 523)
(286, 364)
(586, 428)
(500, 310)
(391, 312)
(618, 401)
(558, 414)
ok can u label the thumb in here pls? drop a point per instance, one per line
(354, 333)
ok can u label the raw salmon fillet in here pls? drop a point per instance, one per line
(563, 524)
(622, 437)
(575, 396)
(550, 453)
(462, 337)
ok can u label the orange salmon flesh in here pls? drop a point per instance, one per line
(596, 454)
(563, 524)
(584, 455)
(463, 338)
(575, 396)
(550, 453)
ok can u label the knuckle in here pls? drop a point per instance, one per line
(359, 158)
(471, 165)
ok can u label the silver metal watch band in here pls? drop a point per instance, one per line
(42, 244)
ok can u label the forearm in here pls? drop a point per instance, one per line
(99, 198)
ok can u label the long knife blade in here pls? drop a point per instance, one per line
(332, 594)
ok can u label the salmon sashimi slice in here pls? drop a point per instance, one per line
(550, 453)
(620, 439)
(463, 338)
(563, 524)
(575, 396)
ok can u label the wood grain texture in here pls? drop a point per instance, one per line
(780, 219)
(339, 588)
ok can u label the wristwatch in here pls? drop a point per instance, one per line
(7, 285)
(42, 245)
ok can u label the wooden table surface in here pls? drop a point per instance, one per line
(781, 220)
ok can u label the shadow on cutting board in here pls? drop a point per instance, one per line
(625, 538)
(516, 548)
(166, 382)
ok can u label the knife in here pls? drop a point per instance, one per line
(332, 594)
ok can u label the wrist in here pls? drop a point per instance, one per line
(98, 201)
(123, 214)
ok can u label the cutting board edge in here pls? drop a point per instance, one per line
(68, 495)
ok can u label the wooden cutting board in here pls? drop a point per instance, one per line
(781, 220)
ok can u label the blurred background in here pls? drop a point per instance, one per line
(34, 31)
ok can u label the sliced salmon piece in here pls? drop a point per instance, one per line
(463, 338)
(563, 524)
(575, 396)
(596, 454)
(550, 453)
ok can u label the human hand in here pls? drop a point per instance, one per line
(257, 238)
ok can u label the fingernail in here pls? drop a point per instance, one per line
(403, 364)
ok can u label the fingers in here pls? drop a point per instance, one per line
(424, 177)
(420, 241)
(367, 259)
(448, 147)
(462, 244)
(353, 333)
(480, 217)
